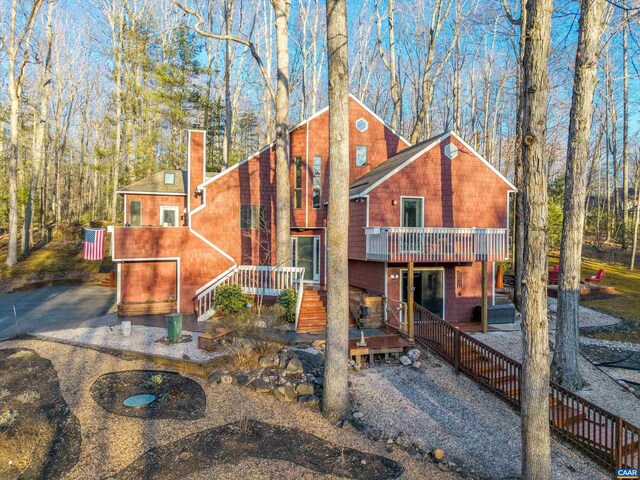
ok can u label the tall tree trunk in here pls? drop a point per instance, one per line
(283, 201)
(228, 111)
(14, 96)
(625, 129)
(636, 221)
(565, 357)
(336, 388)
(536, 446)
(117, 51)
(41, 123)
(518, 244)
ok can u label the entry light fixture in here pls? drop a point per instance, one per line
(394, 202)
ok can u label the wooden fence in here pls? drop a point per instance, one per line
(602, 436)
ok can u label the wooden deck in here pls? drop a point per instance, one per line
(387, 343)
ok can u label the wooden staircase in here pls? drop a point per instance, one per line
(573, 419)
(313, 312)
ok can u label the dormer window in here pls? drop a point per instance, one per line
(362, 124)
(169, 178)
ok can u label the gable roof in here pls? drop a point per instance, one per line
(393, 165)
(214, 177)
(154, 184)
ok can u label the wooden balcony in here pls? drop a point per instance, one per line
(436, 245)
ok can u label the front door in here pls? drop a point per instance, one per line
(305, 252)
(428, 289)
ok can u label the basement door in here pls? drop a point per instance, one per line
(305, 252)
(428, 289)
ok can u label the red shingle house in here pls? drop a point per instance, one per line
(437, 204)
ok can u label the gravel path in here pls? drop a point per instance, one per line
(142, 339)
(111, 442)
(436, 408)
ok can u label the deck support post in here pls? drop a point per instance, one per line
(485, 307)
(410, 290)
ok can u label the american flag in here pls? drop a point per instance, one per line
(93, 243)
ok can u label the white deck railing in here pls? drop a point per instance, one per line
(408, 244)
(254, 280)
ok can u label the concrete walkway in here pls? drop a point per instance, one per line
(53, 308)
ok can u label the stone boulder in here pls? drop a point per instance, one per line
(304, 389)
(262, 386)
(308, 400)
(285, 393)
(414, 354)
(406, 361)
(294, 367)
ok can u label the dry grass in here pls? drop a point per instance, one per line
(62, 258)
(625, 305)
(23, 447)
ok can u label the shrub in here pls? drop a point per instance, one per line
(229, 299)
(287, 299)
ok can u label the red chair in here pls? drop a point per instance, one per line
(554, 274)
(597, 278)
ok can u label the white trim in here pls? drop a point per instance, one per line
(233, 167)
(374, 115)
(411, 197)
(124, 208)
(132, 192)
(493, 290)
(509, 192)
(189, 174)
(169, 207)
(367, 219)
(444, 284)
(118, 284)
(428, 147)
(401, 166)
(217, 249)
(317, 257)
(293, 129)
(474, 152)
(306, 155)
(386, 288)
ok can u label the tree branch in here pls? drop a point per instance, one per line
(247, 43)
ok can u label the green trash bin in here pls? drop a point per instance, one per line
(174, 326)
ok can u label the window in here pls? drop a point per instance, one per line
(169, 216)
(316, 191)
(412, 212)
(253, 217)
(361, 155)
(169, 178)
(297, 183)
(362, 124)
(135, 218)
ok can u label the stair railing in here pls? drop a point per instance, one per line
(602, 436)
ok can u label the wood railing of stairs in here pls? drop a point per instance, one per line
(604, 437)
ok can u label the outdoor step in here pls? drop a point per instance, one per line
(484, 367)
(563, 416)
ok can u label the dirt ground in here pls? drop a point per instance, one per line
(112, 443)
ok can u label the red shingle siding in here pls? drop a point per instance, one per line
(367, 275)
(357, 224)
(460, 193)
(199, 263)
(196, 165)
(150, 208)
(147, 281)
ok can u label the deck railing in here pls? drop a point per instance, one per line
(409, 244)
(604, 437)
(254, 280)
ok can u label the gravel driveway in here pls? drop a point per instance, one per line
(436, 408)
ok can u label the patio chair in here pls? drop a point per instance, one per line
(597, 278)
(554, 274)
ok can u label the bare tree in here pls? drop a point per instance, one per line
(536, 446)
(390, 60)
(564, 367)
(625, 125)
(17, 44)
(228, 110)
(283, 195)
(636, 222)
(44, 90)
(336, 388)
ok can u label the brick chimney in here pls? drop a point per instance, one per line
(197, 165)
